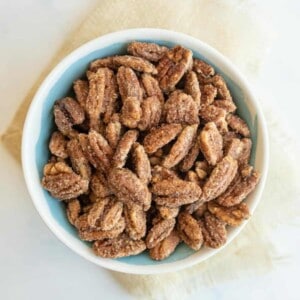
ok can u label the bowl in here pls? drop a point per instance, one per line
(39, 124)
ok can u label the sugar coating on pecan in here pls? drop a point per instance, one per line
(151, 87)
(131, 112)
(202, 68)
(81, 90)
(135, 219)
(141, 163)
(238, 125)
(192, 87)
(58, 145)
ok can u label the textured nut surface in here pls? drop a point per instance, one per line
(208, 94)
(202, 68)
(238, 125)
(60, 180)
(113, 133)
(159, 137)
(129, 188)
(73, 210)
(99, 185)
(189, 230)
(118, 247)
(213, 231)
(189, 160)
(81, 90)
(58, 145)
(181, 108)
(131, 112)
(192, 87)
(167, 212)
(211, 143)
(211, 113)
(135, 219)
(159, 231)
(124, 146)
(151, 87)
(67, 113)
(141, 163)
(172, 67)
(106, 62)
(149, 51)
(181, 147)
(220, 178)
(166, 247)
(233, 215)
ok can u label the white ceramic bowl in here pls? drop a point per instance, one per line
(39, 123)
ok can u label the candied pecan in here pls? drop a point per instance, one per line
(234, 148)
(131, 112)
(141, 163)
(159, 137)
(79, 162)
(233, 215)
(211, 143)
(167, 212)
(100, 150)
(67, 112)
(151, 87)
(159, 231)
(222, 89)
(208, 94)
(202, 68)
(192, 87)
(239, 190)
(220, 178)
(181, 147)
(73, 210)
(81, 89)
(213, 231)
(136, 63)
(151, 113)
(129, 85)
(135, 219)
(189, 160)
(106, 62)
(228, 137)
(193, 177)
(60, 180)
(246, 151)
(199, 212)
(118, 247)
(238, 125)
(113, 133)
(159, 173)
(96, 97)
(172, 67)
(227, 105)
(189, 231)
(98, 234)
(111, 215)
(202, 169)
(215, 114)
(181, 108)
(123, 148)
(96, 212)
(166, 247)
(148, 51)
(58, 145)
(129, 188)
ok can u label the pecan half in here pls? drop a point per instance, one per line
(118, 247)
(202, 68)
(233, 215)
(213, 231)
(141, 163)
(208, 94)
(148, 51)
(159, 231)
(151, 87)
(106, 62)
(67, 113)
(172, 67)
(79, 162)
(181, 147)
(192, 87)
(131, 112)
(238, 125)
(220, 178)
(58, 145)
(181, 108)
(211, 143)
(99, 185)
(135, 219)
(215, 114)
(136, 63)
(129, 188)
(239, 190)
(123, 148)
(151, 112)
(166, 247)
(113, 133)
(73, 210)
(189, 160)
(63, 184)
(227, 105)
(159, 137)
(95, 213)
(189, 231)
(81, 89)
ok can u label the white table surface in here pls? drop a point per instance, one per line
(33, 263)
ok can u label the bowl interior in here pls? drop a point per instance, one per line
(40, 124)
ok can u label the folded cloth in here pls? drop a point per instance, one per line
(235, 29)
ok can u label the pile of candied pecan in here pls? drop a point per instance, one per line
(149, 152)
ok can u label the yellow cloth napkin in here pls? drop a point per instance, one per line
(235, 29)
